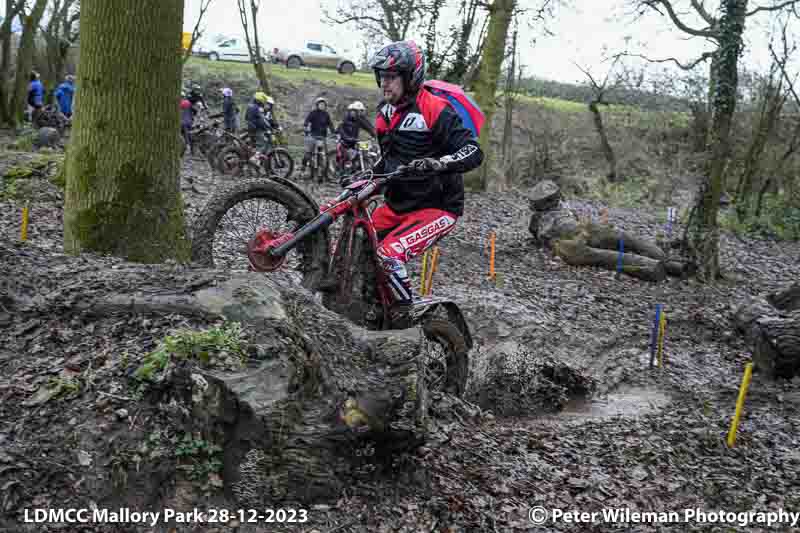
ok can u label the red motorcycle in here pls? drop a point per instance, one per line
(290, 234)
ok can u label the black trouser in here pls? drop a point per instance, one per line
(186, 131)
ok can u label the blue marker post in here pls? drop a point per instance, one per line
(621, 254)
(654, 335)
(670, 219)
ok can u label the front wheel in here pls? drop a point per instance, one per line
(231, 161)
(279, 162)
(446, 356)
(232, 217)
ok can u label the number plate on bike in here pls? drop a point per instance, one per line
(363, 145)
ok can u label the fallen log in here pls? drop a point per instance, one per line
(777, 346)
(606, 237)
(773, 334)
(679, 268)
(577, 253)
(787, 299)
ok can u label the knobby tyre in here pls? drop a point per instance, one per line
(232, 216)
(279, 162)
(447, 363)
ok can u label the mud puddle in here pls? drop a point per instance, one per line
(630, 402)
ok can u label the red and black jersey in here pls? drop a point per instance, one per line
(426, 127)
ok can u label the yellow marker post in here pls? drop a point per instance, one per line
(431, 271)
(424, 271)
(491, 256)
(24, 231)
(662, 329)
(748, 373)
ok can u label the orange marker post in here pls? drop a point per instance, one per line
(424, 274)
(431, 271)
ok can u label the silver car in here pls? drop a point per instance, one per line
(314, 54)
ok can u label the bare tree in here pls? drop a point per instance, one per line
(701, 240)
(198, 30)
(59, 34)
(793, 145)
(27, 46)
(599, 92)
(773, 95)
(252, 44)
(378, 19)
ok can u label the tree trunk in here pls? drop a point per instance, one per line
(703, 233)
(6, 113)
(577, 253)
(122, 169)
(712, 91)
(500, 14)
(700, 119)
(261, 74)
(509, 103)
(607, 150)
(320, 400)
(27, 46)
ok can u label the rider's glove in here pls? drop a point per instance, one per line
(427, 164)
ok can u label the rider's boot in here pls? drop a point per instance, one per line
(400, 312)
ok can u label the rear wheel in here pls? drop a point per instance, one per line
(446, 356)
(235, 214)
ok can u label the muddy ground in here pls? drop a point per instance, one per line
(649, 440)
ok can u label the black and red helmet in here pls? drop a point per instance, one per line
(403, 57)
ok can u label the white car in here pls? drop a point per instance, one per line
(231, 49)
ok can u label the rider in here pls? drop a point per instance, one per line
(257, 123)
(196, 99)
(349, 129)
(423, 136)
(187, 120)
(317, 124)
(269, 114)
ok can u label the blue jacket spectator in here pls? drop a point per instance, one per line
(35, 91)
(64, 94)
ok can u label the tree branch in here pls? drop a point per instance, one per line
(196, 31)
(688, 66)
(708, 32)
(778, 7)
(701, 10)
(789, 82)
